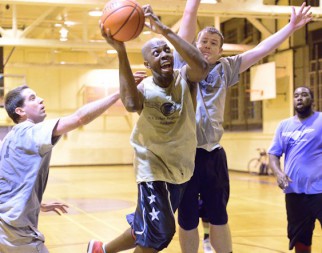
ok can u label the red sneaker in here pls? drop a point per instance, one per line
(95, 247)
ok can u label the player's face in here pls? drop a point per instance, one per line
(210, 46)
(160, 58)
(302, 100)
(33, 107)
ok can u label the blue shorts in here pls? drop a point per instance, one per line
(302, 212)
(210, 182)
(153, 222)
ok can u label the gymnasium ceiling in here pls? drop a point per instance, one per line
(38, 23)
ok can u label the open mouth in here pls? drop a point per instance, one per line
(166, 66)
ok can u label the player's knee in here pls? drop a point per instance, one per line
(220, 219)
(302, 248)
(188, 224)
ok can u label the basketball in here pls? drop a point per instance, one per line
(124, 18)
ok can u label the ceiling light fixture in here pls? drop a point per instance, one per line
(209, 1)
(63, 34)
(111, 51)
(95, 13)
(69, 23)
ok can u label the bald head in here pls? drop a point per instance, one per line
(150, 45)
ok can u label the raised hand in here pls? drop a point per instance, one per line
(117, 45)
(302, 17)
(56, 207)
(154, 24)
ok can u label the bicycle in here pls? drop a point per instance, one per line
(259, 165)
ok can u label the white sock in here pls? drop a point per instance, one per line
(103, 247)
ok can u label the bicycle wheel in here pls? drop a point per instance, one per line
(253, 166)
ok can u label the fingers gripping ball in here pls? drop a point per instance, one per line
(124, 19)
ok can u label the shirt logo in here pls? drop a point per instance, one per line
(297, 136)
(168, 108)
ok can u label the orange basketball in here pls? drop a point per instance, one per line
(124, 18)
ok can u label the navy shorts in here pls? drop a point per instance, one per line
(153, 222)
(210, 182)
(202, 212)
(302, 212)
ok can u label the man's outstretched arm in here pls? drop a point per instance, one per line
(297, 21)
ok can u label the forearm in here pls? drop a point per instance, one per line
(189, 53)
(264, 48)
(298, 20)
(274, 41)
(128, 89)
(84, 115)
(91, 111)
(275, 165)
(188, 25)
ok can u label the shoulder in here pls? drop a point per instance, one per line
(23, 126)
(230, 60)
(287, 122)
(181, 75)
(145, 83)
(317, 116)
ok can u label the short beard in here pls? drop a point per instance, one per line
(303, 112)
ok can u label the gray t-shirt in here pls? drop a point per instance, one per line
(24, 165)
(211, 99)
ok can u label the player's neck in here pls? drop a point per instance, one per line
(163, 82)
(304, 115)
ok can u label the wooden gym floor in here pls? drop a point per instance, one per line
(100, 197)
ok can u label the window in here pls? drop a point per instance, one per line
(313, 3)
(240, 113)
(315, 67)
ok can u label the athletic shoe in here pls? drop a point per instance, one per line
(95, 247)
(207, 246)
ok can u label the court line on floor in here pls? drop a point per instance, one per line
(66, 216)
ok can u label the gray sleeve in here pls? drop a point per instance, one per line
(231, 68)
(43, 134)
(178, 62)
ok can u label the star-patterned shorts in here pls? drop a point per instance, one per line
(153, 222)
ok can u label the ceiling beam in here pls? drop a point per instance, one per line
(131, 46)
(36, 22)
(226, 8)
(260, 27)
(59, 3)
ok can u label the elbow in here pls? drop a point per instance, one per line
(82, 120)
(130, 106)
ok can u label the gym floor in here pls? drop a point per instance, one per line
(100, 197)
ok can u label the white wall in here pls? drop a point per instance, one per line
(103, 141)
